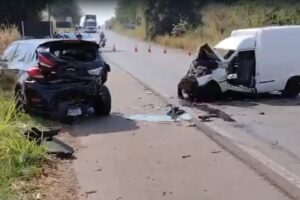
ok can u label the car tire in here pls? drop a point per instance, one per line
(292, 89)
(103, 102)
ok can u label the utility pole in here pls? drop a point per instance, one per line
(48, 10)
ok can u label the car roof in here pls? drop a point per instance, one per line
(35, 43)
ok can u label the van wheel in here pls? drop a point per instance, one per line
(103, 102)
(292, 89)
(210, 92)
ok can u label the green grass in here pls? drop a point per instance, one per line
(19, 158)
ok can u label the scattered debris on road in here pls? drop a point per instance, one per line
(206, 118)
(173, 115)
(275, 143)
(262, 113)
(89, 193)
(216, 112)
(215, 151)
(148, 91)
(188, 124)
(212, 112)
(186, 156)
(175, 112)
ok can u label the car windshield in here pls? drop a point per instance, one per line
(224, 53)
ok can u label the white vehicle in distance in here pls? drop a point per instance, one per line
(258, 60)
(89, 23)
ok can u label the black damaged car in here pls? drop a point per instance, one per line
(63, 79)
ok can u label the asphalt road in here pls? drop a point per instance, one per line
(269, 124)
(121, 159)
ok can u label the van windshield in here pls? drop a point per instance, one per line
(225, 53)
(91, 23)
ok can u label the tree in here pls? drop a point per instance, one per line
(126, 11)
(64, 8)
(162, 15)
(13, 12)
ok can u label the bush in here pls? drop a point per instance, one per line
(8, 34)
(180, 28)
(218, 20)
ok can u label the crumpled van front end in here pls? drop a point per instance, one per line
(214, 71)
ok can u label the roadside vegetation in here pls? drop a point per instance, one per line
(8, 34)
(195, 22)
(20, 159)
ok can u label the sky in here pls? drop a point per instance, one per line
(104, 9)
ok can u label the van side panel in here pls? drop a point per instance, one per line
(278, 58)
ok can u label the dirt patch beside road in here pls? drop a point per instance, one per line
(57, 181)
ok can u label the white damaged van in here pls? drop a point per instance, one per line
(258, 60)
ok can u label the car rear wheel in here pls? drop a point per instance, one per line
(103, 102)
(292, 89)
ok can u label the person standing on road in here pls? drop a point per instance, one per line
(102, 39)
(102, 36)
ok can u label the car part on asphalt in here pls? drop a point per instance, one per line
(206, 118)
(175, 112)
(47, 139)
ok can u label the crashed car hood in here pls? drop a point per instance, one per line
(210, 53)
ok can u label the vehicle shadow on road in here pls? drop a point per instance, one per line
(115, 123)
(250, 100)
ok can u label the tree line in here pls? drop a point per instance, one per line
(13, 12)
(161, 15)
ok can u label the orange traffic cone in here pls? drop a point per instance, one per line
(136, 48)
(149, 49)
(165, 50)
(114, 48)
